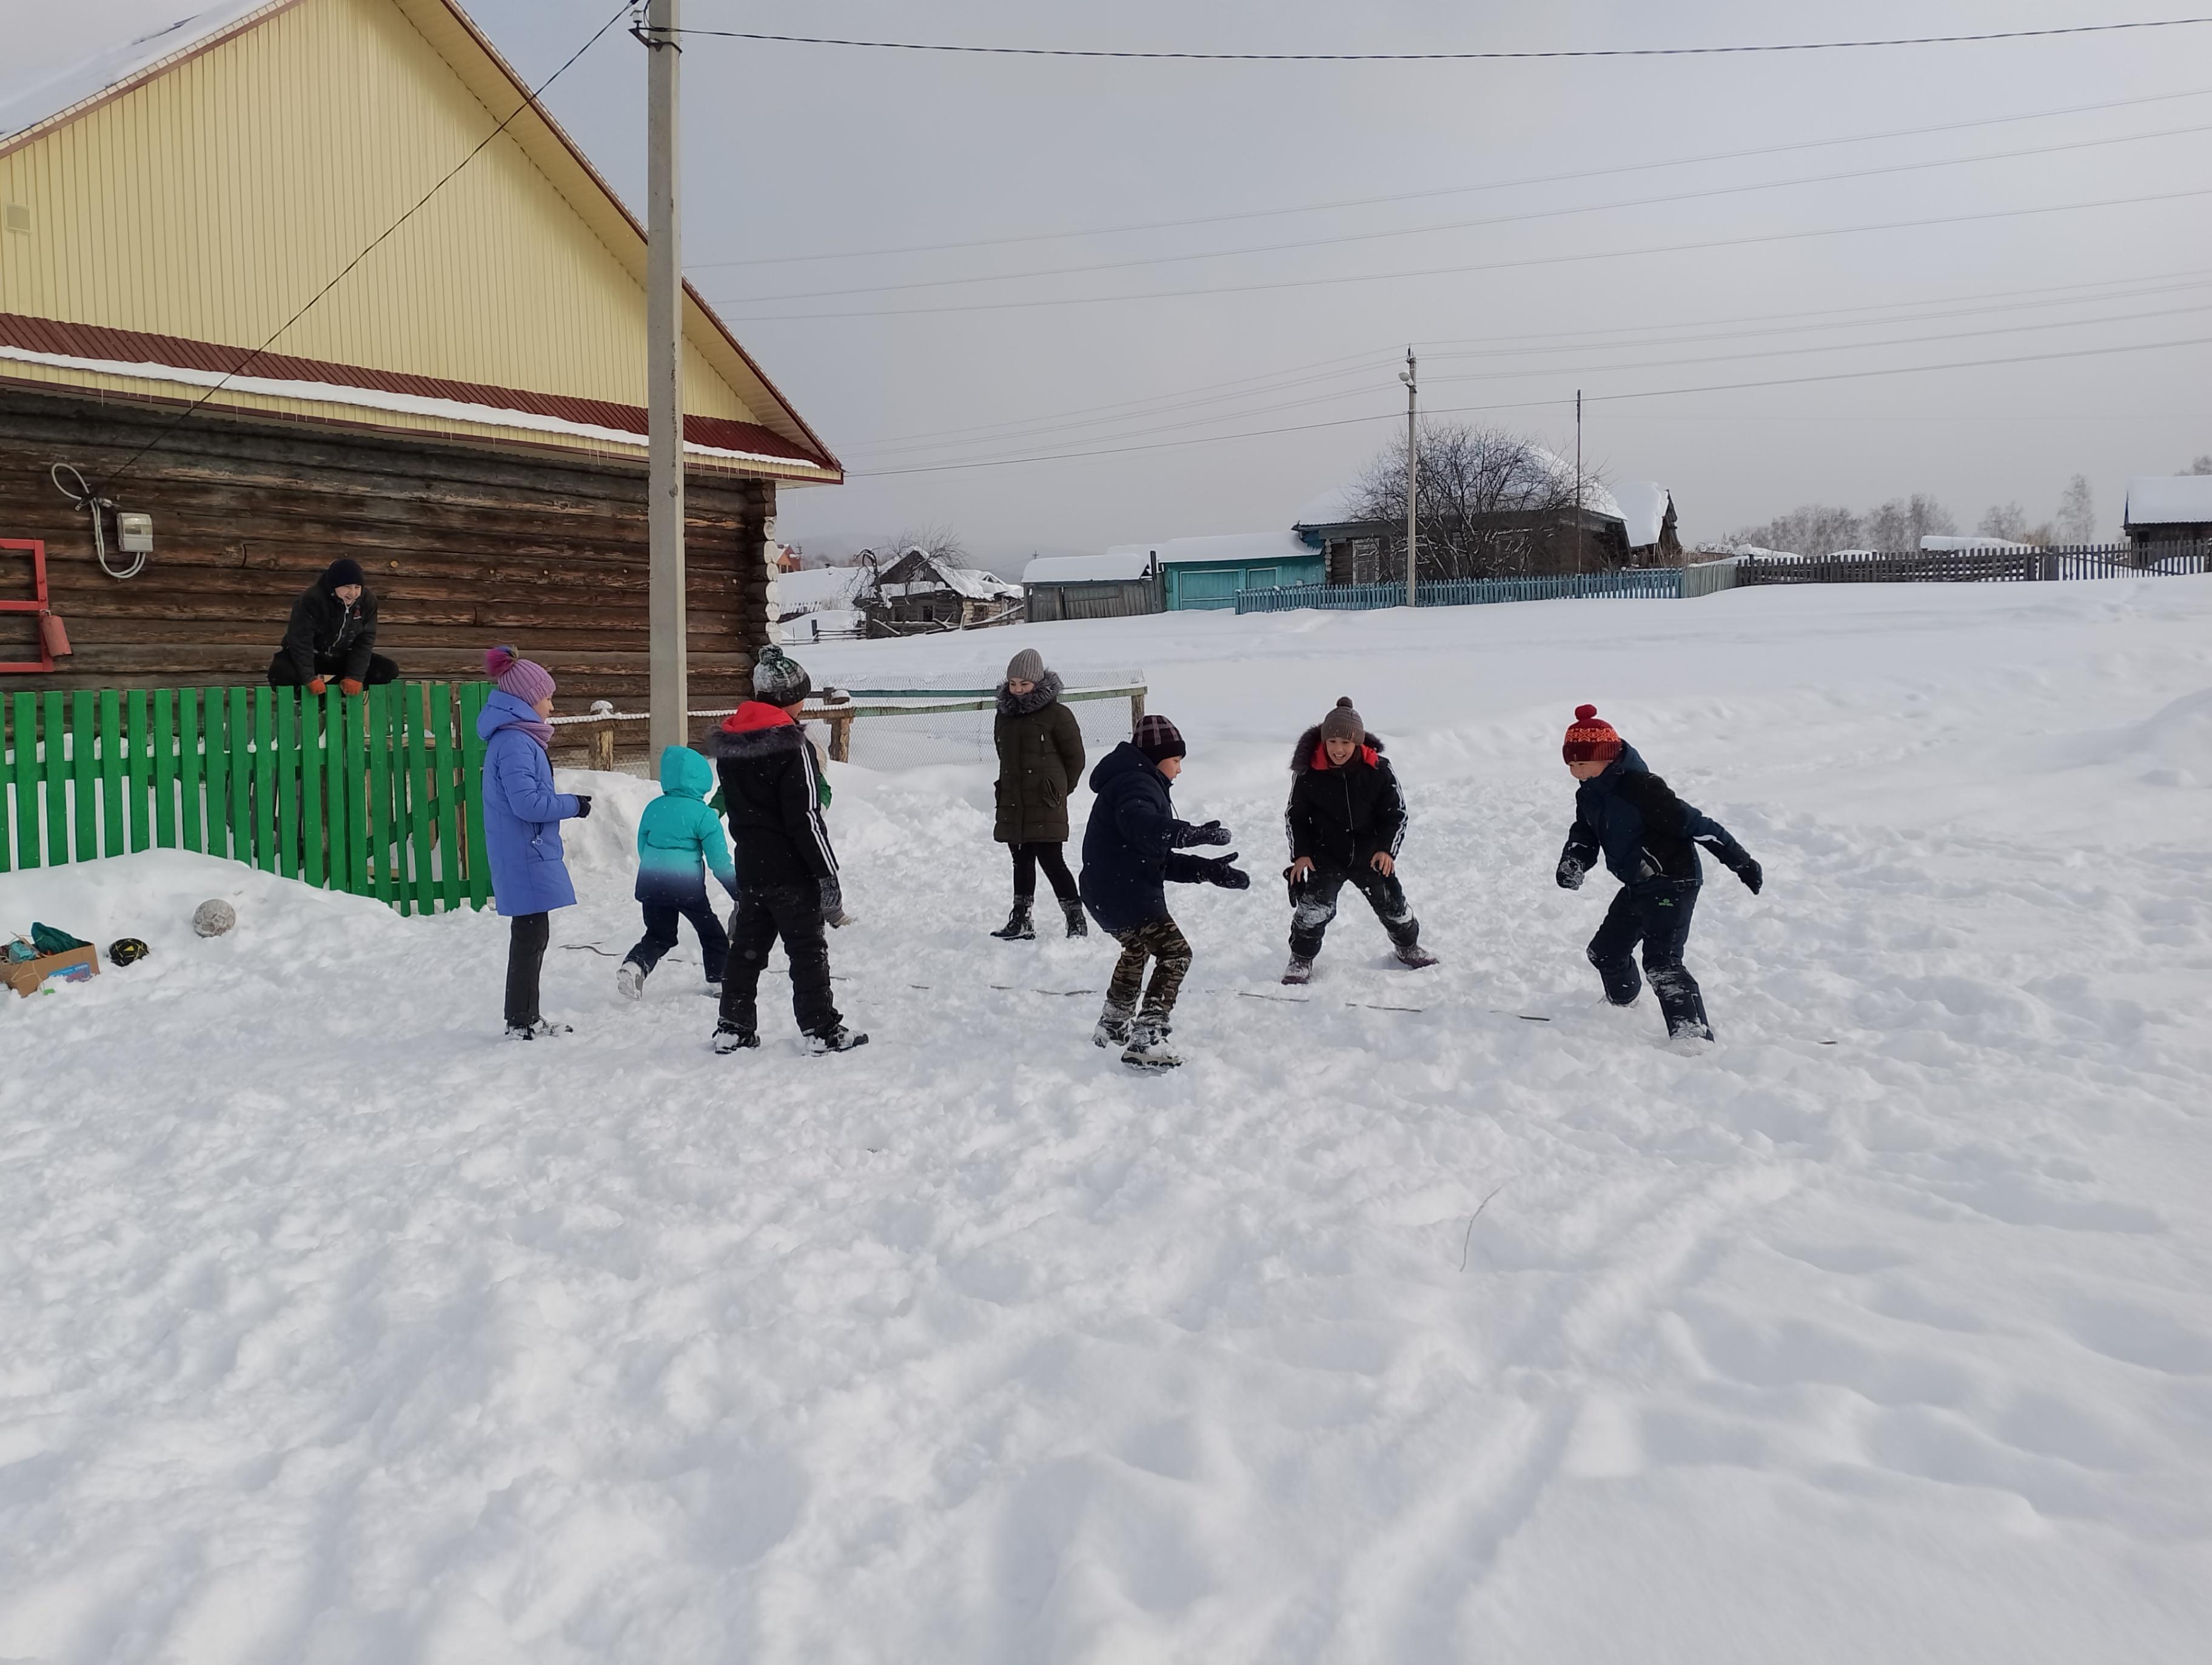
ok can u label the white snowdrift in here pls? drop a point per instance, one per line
(339, 1329)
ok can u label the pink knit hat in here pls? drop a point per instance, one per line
(527, 680)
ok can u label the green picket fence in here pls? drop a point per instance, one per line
(373, 795)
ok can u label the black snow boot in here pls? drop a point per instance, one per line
(1017, 928)
(1073, 910)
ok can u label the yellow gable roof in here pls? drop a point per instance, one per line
(182, 197)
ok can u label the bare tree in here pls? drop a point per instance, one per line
(2201, 465)
(935, 538)
(2077, 519)
(1902, 522)
(1491, 501)
(1808, 529)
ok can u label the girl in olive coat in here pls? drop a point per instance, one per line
(1039, 761)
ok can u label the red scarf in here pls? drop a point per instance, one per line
(1365, 755)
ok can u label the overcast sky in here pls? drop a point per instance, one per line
(796, 151)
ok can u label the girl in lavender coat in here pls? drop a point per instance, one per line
(522, 816)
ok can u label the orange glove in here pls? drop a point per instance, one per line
(317, 685)
(348, 686)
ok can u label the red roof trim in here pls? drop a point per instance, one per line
(127, 347)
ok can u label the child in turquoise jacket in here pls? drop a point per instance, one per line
(678, 839)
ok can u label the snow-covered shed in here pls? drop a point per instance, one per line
(2169, 508)
(1118, 584)
(463, 411)
(919, 592)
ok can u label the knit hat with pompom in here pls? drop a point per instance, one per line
(527, 680)
(1590, 738)
(1343, 723)
(780, 679)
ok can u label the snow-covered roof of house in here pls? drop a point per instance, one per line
(1340, 505)
(1226, 547)
(818, 586)
(1119, 565)
(1333, 507)
(2165, 500)
(52, 70)
(970, 583)
(1934, 544)
(1642, 505)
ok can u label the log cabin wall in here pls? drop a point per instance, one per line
(464, 545)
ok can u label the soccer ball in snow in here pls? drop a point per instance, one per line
(213, 919)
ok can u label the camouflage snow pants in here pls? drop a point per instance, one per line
(1160, 942)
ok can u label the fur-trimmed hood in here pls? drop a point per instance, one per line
(1301, 754)
(1046, 690)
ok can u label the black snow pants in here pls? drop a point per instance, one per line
(1028, 858)
(792, 912)
(527, 935)
(660, 921)
(1313, 905)
(1658, 916)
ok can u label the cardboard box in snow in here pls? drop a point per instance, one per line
(26, 977)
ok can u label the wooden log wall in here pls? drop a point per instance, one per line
(464, 545)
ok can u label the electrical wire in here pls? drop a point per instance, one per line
(1526, 217)
(91, 502)
(1496, 265)
(530, 98)
(1451, 58)
(1362, 362)
(1470, 409)
(1458, 189)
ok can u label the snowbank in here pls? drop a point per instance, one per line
(1399, 1325)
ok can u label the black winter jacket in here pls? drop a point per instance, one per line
(1040, 760)
(1133, 842)
(1648, 836)
(771, 794)
(1340, 819)
(324, 631)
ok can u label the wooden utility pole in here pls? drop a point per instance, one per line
(1578, 479)
(669, 660)
(1413, 474)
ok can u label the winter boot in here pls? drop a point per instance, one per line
(1148, 1047)
(1074, 908)
(728, 1038)
(1017, 928)
(1299, 971)
(542, 1030)
(840, 1039)
(630, 980)
(1414, 957)
(1113, 1029)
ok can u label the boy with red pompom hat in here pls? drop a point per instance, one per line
(1648, 838)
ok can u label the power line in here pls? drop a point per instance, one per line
(529, 102)
(1654, 364)
(1495, 265)
(1523, 218)
(1451, 58)
(1459, 190)
(1470, 409)
(2060, 295)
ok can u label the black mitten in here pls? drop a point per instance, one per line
(1570, 874)
(1225, 872)
(583, 806)
(1211, 833)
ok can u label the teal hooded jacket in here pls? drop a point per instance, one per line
(679, 838)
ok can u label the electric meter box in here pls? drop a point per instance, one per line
(134, 534)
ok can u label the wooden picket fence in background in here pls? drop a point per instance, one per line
(373, 795)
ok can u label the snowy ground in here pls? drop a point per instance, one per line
(339, 1329)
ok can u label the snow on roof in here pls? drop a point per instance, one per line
(1642, 509)
(44, 76)
(377, 399)
(1333, 507)
(1934, 545)
(811, 587)
(1233, 546)
(970, 583)
(1117, 566)
(2160, 500)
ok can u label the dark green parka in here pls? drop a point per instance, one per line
(1040, 760)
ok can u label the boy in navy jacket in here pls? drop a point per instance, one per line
(1648, 838)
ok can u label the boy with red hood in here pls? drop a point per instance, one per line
(1345, 821)
(786, 872)
(1648, 839)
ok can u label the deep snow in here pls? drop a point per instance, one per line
(339, 1329)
